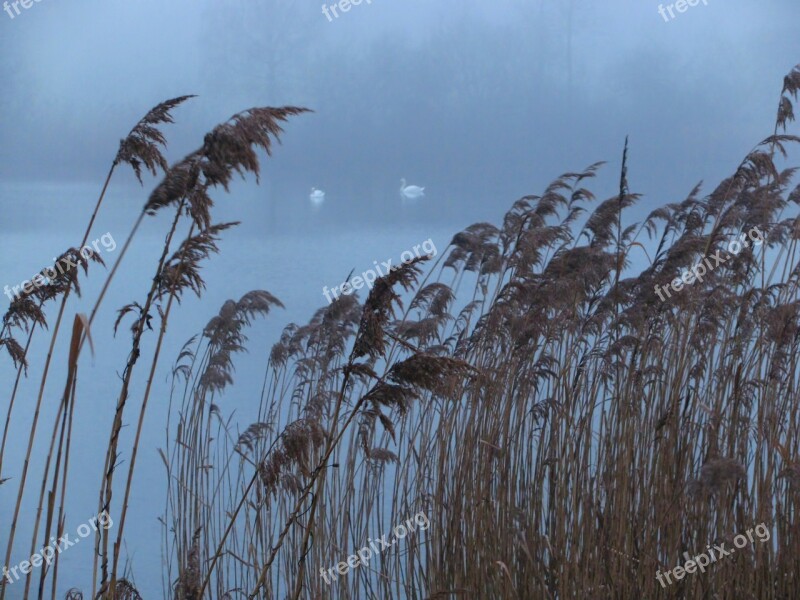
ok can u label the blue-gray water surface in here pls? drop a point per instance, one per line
(293, 251)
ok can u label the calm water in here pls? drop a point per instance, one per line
(290, 252)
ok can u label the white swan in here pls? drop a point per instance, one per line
(317, 197)
(411, 192)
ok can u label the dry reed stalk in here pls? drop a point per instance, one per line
(106, 489)
(139, 147)
(230, 148)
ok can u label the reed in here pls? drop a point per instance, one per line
(585, 436)
(567, 432)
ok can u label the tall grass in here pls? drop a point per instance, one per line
(566, 431)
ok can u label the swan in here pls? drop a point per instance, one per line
(317, 197)
(411, 192)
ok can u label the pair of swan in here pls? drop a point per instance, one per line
(408, 192)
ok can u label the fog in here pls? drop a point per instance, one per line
(480, 103)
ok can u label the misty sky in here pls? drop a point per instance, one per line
(479, 102)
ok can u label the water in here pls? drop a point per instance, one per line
(293, 254)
